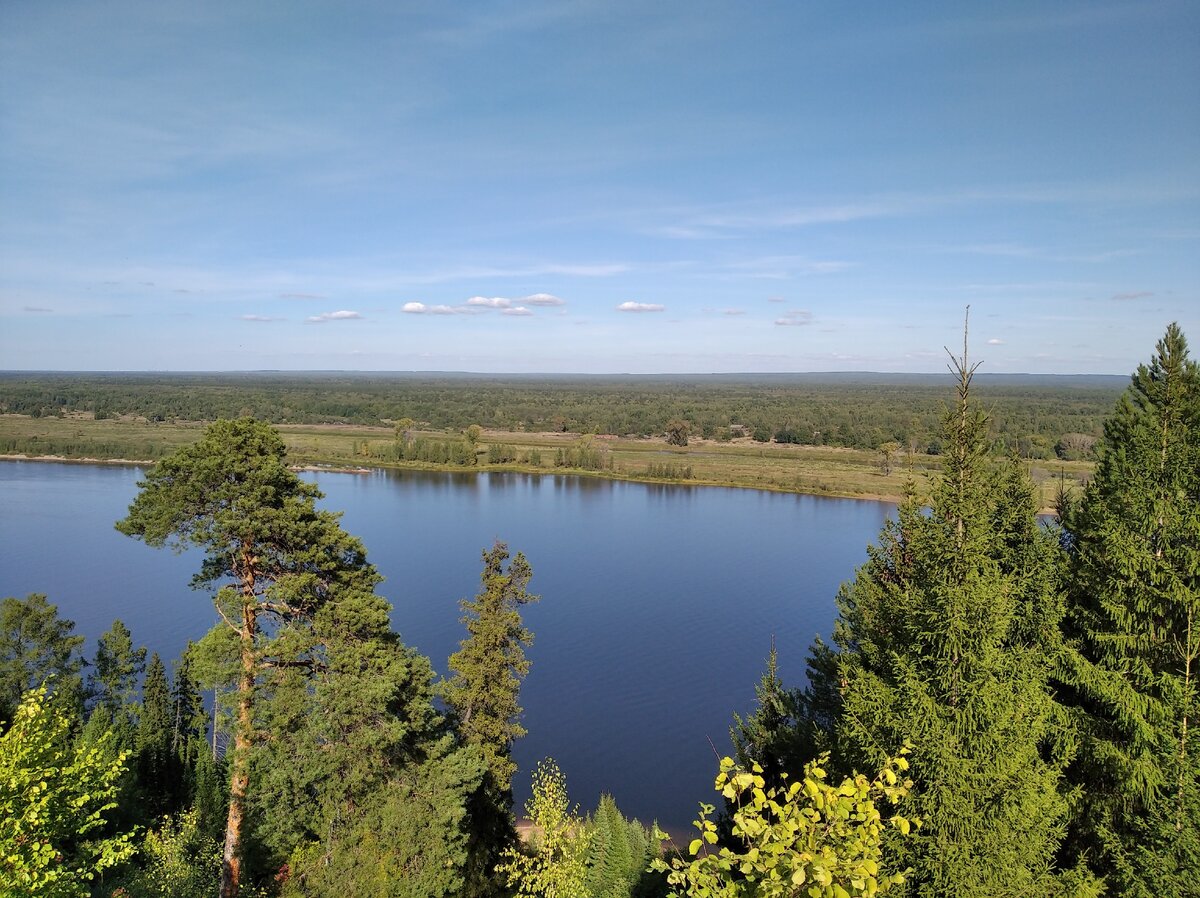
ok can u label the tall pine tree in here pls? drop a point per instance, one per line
(1133, 584)
(946, 640)
(276, 561)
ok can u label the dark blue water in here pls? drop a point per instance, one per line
(658, 605)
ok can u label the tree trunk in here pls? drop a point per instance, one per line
(231, 865)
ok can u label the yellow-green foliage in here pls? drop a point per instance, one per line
(53, 796)
(555, 863)
(807, 837)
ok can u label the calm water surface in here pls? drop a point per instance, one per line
(658, 604)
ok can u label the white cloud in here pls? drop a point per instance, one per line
(419, 308)
(340, 315)
(443, 310)
(542, 299)
(258, 318)
(489, 302)
(797, 318)
(517, 310)
(733, 311)
(995, 341)
(414, 308)
(640, 307)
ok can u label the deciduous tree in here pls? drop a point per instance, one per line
(55, 799)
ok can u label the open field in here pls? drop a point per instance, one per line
(738, 463)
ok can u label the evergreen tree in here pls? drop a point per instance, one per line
(36, 647)
(947, 637)
(189, 720)
(619, 854)
(1134, 614)
(115, 674)
(483, 694)
(491, 663)
(159, 771)
(772, 736)
(276, 559)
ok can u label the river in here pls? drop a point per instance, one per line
(658, 608)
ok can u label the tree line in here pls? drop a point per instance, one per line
(1036, 418)
(1006, 708)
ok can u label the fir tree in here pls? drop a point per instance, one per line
(941, 645)
(1134, 614)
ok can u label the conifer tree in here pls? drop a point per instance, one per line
(491, 663)
(116, 670)
(772, 736)
(276, 559)
(946, 638)
(159, 772)
(483, 693)
(1133, 588)
(36, 647)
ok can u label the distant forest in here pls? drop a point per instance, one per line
(1037, 417)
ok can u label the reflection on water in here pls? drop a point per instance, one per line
(659, 602)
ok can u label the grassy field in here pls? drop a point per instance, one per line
(740, 463)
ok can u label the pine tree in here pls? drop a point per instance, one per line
(1134, 614)
(276, 560)
(947, 637)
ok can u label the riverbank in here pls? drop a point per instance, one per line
(739, 463)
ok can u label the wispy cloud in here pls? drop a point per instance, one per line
(640, 307)
(1140, 294)
(542, 299)
(783, 267)
(995, 341)
(733, 312)
(303, 296)
(519, 311)
(489, 302)
(797, 318)
(38, 309)
(341, 315)
(260, 318)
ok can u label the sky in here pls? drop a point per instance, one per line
(598, 187)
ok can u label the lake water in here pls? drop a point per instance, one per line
(659, 603)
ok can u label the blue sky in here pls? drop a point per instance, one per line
(596, 186)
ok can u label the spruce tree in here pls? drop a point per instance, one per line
(1133, 588)
(483, 693)
(772, 736)
(947, 637)
(158, 770)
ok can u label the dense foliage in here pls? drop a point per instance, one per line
(1035, 417)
